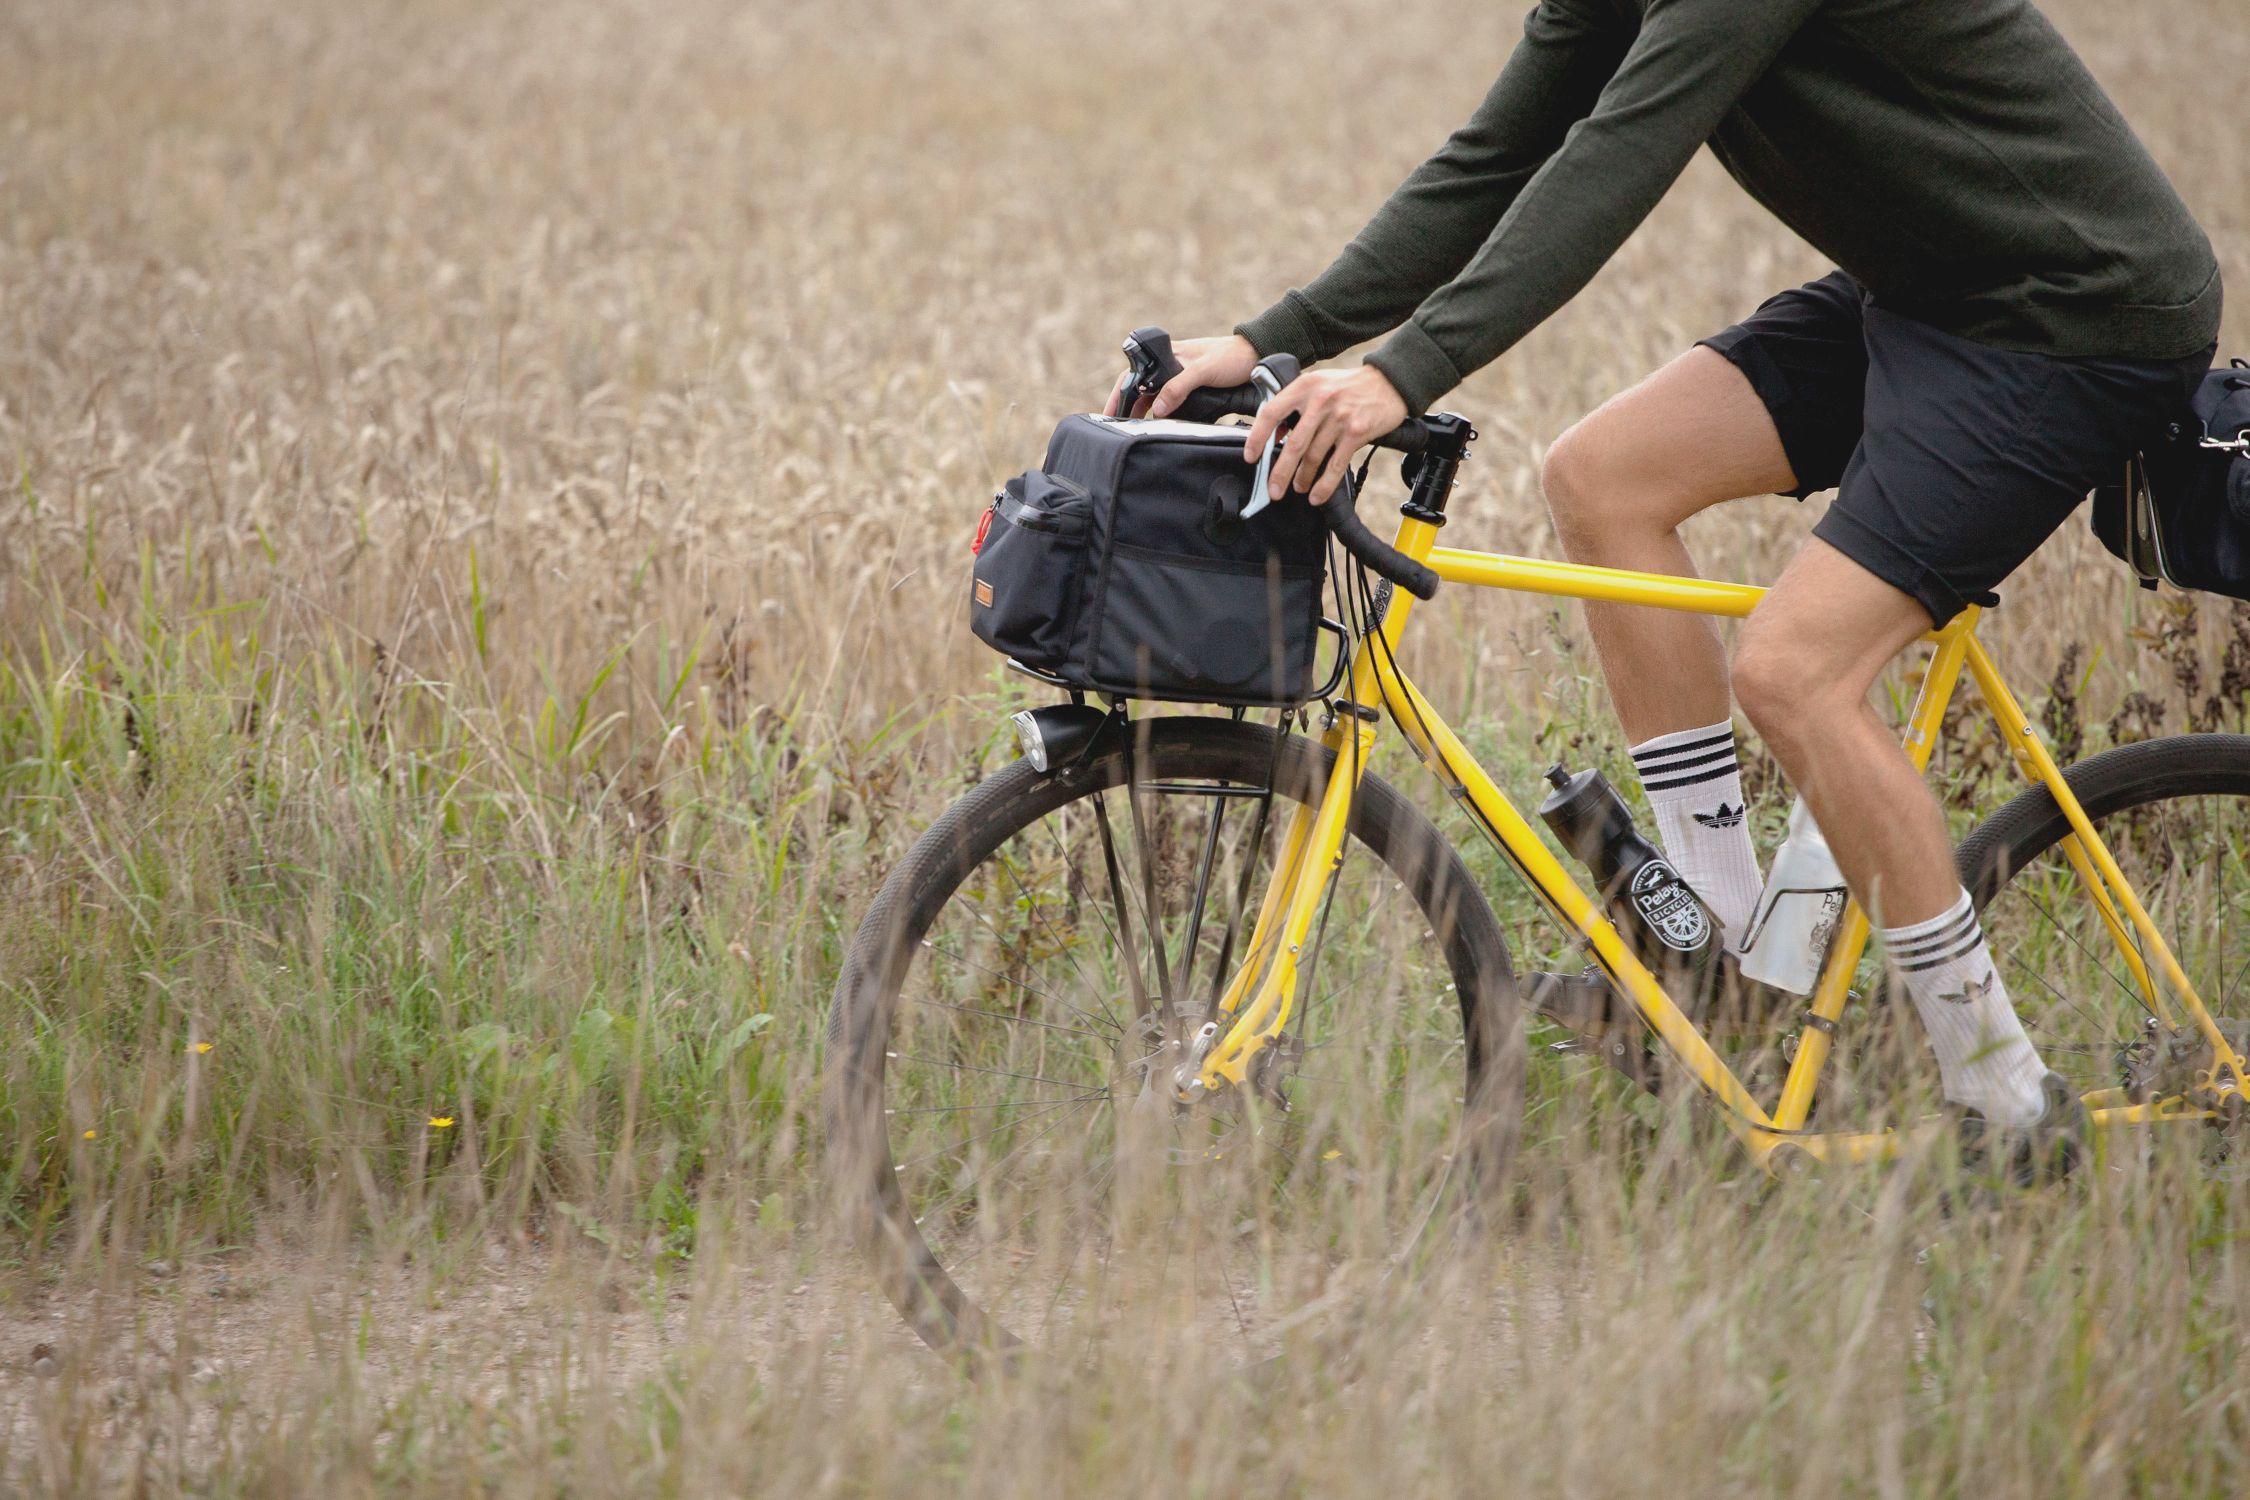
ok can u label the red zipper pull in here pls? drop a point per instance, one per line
(984, 524)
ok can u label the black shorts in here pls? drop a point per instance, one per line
(1953, 460)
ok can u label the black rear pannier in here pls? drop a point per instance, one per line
(1124, 565)
(2183, 512)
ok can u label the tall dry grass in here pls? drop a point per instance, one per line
(682, 314)
(488, 491)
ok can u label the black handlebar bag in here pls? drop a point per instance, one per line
(1124, 565)
(2182, 514)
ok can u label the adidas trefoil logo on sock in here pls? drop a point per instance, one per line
(1721, 816)
(1970, 992)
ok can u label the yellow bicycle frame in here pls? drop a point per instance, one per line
(1260, 994)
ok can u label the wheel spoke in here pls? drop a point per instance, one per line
(1006, 1019)
(1107, 1168)
(960, 1067)
(1011, 1037)
(1202, 893)
(1152, 910)
(2174, 833)
(2111, 974)
(1032, 903)
(955, 1109)
(2048, 985)
(945, 1151)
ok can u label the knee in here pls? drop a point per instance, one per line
(1604, 496)
(1570, 478)
(1778, 688)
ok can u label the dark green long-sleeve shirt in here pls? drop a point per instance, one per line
(1954, 156)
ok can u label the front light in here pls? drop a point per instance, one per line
(1056, 735)
(1030, 741)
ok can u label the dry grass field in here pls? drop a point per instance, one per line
(487, 494)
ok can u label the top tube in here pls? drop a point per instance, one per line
(1701, 596)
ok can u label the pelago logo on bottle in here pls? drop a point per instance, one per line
(1669, 907)
(1824, 926)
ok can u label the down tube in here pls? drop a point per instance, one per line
(1443, 753)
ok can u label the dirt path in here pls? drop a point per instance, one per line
(159, 1358)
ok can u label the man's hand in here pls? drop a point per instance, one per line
(1338, 413)
(1214, 362)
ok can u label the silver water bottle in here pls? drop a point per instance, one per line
(1799, 911)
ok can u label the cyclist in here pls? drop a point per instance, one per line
(2022, 298)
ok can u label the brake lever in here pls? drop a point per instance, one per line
(1149, 364)
(1269, 386)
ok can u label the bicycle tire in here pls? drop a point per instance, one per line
(2135, 795)
(857, 1146)
(2187, 765)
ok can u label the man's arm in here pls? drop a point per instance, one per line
(1427, 230)
(1692, 60)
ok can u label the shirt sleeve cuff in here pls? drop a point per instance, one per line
(1283, 329)
(1416, 367)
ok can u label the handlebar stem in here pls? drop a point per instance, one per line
(1430, 474)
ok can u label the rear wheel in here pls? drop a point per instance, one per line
(1001, 1122)
(2175, 813)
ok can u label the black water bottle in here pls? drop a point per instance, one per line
(1661, 918)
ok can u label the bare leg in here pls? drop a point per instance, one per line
(1620, 483)
(1807, 658)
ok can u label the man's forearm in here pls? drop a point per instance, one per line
(1689, 65)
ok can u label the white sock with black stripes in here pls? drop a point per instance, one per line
(1985, 1059)
(1693, 780)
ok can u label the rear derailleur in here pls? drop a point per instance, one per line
(2164, 1064)
(2175, 1064)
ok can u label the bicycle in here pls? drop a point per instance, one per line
(1163, 1054)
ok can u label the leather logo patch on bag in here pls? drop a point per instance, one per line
(984, 593)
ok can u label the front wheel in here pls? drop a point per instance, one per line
(1002, 1130)
(2175, 813)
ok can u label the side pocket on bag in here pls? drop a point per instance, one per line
(1024, 588)
(1199, 629)
(2238, 491)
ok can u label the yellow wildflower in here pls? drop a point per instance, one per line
(441, 1122)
